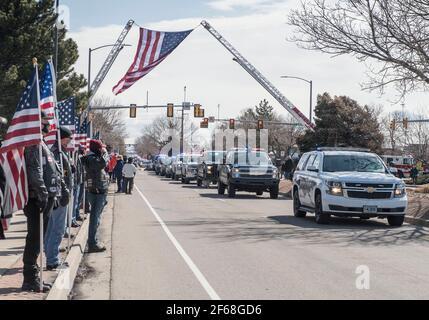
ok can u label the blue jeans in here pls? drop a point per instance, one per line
(97, 202)
(54, 235)
(76, 202)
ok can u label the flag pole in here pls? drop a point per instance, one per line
(41, 231)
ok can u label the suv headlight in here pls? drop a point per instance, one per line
(400, 191)
(335, 188)
(275, 173)
(209, 169)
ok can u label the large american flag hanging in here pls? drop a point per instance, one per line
(48, 100)
(66, 111)
(153, 48)
(24, 131)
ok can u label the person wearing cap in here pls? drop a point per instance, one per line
(58, 218)
(43, 190)
(118, 173)
(97, 182)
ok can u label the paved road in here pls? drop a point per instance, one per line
(174, 241)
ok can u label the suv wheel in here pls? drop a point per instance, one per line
(231, 191)
(396, 221)
(220, 188)
(297, 205)
(274, 192)
(259, 193)
(321, 218)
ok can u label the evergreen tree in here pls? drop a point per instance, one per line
(27, 31)
(341, 121)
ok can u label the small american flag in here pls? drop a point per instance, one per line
(66, 115)
(84, 134)
(24, 131)
(153, 48)
(48, 100)
(77, 134)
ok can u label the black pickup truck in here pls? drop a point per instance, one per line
(248, 170)
(208, 168)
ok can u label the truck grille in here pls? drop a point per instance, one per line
(367, 195)
(369, 185)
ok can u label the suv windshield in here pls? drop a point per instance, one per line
(353, 163)
(214, 157)
(191, 159)
(253, 158)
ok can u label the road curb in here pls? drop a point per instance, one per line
(63, 284)
(417, 221)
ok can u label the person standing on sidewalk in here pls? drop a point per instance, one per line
(97, 182)
(57, 221)
(118, 173)
(43, 191)
(78, 188)
(129, 172)
(414, 173)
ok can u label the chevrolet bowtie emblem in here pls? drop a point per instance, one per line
(371, 190)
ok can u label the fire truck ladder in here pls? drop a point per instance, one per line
(110, 60)
(294, 111)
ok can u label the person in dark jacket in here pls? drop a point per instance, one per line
(58, 218)
(43, 192)
(414, 173)
(118, 174)
(78, 188)
(97, 182)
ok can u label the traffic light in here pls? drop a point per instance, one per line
(393, 124)
(232, 124)
(170, 110)
(197, 110)
(133, 111)
(202, 113)
(405, 123)
(205, 124)
(260, 124)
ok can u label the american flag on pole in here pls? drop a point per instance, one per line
(66, 111)
(48, 101)
(77, 133)
(84, 134)
(153, 48)
(24, 131)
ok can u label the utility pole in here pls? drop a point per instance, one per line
(183, 122)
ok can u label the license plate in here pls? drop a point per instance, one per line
(370, 209)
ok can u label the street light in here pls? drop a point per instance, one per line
(89, 60)
(311, 93)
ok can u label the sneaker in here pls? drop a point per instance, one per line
(62, 249)
(54, 267)
(97, 248)
(79, 218)
(75, 225)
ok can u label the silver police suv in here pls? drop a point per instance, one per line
(347, 183)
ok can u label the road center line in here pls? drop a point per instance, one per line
(200, 277)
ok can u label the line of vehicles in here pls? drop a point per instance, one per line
(343, 182)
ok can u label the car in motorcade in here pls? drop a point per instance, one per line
(207, 172)
(176, 167)
(347, 182)
(248, 170)
(158, 163)
(169, 167)
(189, 167)
(165, 162)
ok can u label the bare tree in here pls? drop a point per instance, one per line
(110, 125)
(392, 33)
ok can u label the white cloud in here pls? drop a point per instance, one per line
(206, 68)
(229, 5)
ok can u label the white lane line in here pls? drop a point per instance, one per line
(200, 277)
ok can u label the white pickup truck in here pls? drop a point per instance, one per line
(347, 183)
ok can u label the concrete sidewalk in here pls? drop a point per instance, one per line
(11, 265)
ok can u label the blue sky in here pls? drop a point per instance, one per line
(96, 13)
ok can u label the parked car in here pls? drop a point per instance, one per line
(189, 168)
(176, 167)
(207, 172)
(347, 183)
(248, 170)
(158, 164)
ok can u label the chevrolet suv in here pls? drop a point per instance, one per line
(208, 168)
(347, 183)
(190, 167)
(248, 170)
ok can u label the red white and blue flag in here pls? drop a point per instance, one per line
(66, 115)
(48, 101)
(23, 131)
(153, 48)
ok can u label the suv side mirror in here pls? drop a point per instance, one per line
(312, 169)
